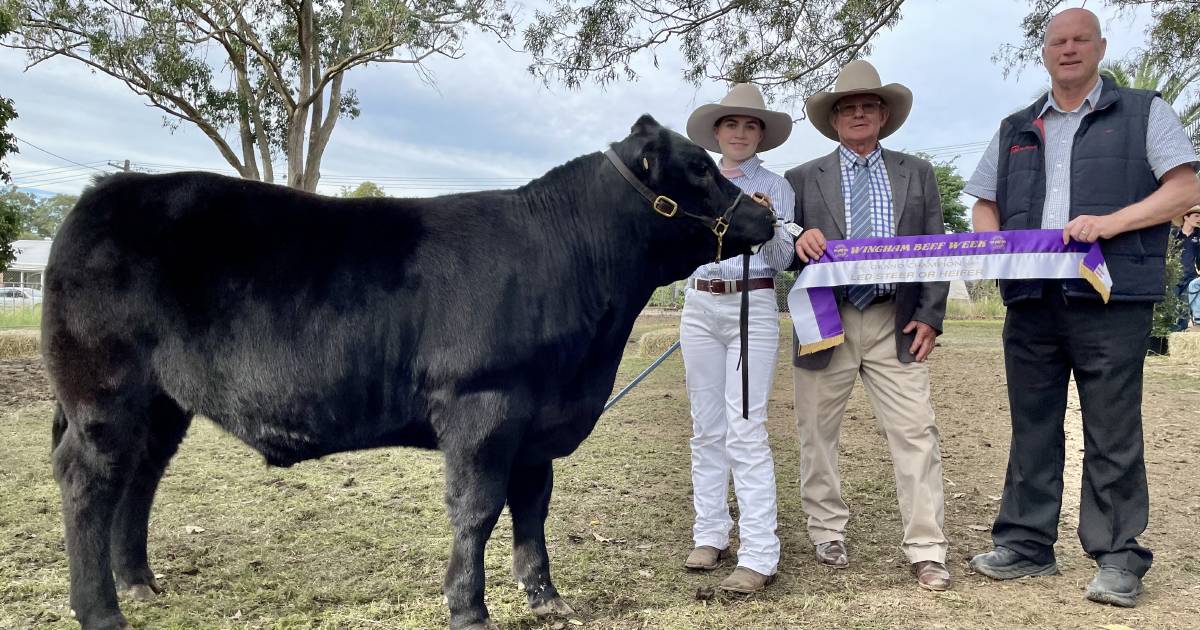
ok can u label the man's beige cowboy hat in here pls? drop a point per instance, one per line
(1178, 221)
(743, 100)
(859, 77)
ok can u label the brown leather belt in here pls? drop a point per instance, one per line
(718, 286)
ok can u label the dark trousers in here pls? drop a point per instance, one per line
(1105, 346)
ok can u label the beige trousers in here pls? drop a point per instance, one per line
(899, 393)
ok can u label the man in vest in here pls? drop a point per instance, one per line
(1101, 163)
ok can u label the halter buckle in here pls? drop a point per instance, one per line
(665, 206)
(720, 227)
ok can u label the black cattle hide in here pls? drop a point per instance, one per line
(487, 325)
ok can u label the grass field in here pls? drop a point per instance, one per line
(361, 540)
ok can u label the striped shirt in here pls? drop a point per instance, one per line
(883, 222)
(1167, 146)
(777, 253)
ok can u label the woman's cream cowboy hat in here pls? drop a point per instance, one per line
(859, 77)
(743, 100)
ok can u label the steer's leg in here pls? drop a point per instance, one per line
(92, 464)
(168, 424)
(529, 489)
(478, 459)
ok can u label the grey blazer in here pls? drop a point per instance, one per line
(918, 210)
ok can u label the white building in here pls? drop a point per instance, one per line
(30, 265)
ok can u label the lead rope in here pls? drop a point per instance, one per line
(745, 332)
(744, 317)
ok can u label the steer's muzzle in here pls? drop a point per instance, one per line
(751, 224)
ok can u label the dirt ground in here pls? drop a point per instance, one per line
(360, 540)
(22, 382)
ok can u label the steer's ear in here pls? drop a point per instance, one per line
(645, 125)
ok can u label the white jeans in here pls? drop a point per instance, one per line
(722, 441)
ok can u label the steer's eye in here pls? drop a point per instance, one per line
(699, 169)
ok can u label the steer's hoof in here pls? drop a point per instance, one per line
(554, 606)
(142, 592)
(485, 625)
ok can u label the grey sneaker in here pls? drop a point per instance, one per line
(1116, 586)
(1003, 563)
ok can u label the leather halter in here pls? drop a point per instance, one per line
(667, 207)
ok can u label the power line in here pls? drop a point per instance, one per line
(48, 171)
(57, 155)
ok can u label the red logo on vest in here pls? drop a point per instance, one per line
(1017, 148)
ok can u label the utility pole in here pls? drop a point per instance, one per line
(123, 167)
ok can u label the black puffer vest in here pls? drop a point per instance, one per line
(1109, 171)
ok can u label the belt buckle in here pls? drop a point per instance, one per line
(716, 286)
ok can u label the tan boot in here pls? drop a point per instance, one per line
(745, 581)
(705, 558)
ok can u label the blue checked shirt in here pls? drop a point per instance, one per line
(777, 253)
(883, 222)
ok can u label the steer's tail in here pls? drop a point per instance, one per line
(60, 426)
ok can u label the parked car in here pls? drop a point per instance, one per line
(14, 297)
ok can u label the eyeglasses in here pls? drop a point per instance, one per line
(850, 109)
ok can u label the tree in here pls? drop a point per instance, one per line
(46, 216)
(791, 46)
(950, 186)
(271, 69)
(1173, 37)
(37, 218)
(9, 220)
(365, 189)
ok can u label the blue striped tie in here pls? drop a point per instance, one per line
(860, 295)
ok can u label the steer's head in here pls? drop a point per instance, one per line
(692, 199)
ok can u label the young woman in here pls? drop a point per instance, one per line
(738, 128)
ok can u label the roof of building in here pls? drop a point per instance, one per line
(31, 255)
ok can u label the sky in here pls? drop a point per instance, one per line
(487, 123)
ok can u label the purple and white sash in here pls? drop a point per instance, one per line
(1009, 255)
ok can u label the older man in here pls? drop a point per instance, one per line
(861, 190)
(1099, 162)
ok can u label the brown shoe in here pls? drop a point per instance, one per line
(932, 575)
(833, 554)
(745, 581)
(705, 558)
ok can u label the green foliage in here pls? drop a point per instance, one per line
(10, 229)
(365, 189)
(47, 216)
(271, 72)
(1168, 311)
(9, 221)
(794, 47)
(8, 141)
(950, 186)
(37, 218)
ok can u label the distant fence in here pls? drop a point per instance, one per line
(23, 285)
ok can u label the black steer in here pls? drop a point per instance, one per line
(486, 325)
